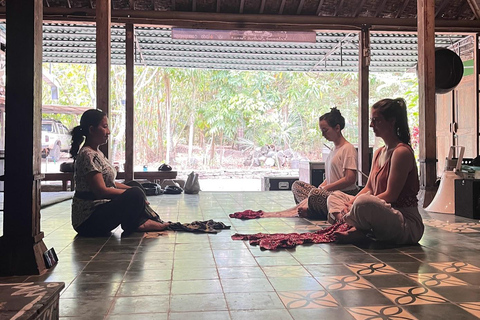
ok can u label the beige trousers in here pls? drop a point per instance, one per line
(373, 215)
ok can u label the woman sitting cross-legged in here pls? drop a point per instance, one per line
(340, 173)
(386, 209)
(100, 204)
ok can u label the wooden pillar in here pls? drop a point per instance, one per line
(364, 112)
(22, 247)
(426, 99)
(103, 21)
(130, 103)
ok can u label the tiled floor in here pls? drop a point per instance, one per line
(209, 276)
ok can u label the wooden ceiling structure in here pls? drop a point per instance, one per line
(21, 246)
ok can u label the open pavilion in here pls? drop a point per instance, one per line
(356, 26)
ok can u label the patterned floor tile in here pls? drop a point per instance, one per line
(412, 296)
(371, 268)
(470, 278)
(446, 311)
(360, 298)
(458, 227)
(455, 267)
(436, 279)
(459, 294)
(472, 307)
(344, 282)
(307, 299)
(391, 281)
(380, 312)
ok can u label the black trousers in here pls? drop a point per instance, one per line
(127, 210)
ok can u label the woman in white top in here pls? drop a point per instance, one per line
(340, 170)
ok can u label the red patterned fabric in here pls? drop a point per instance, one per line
(247, 214)
(289, 240)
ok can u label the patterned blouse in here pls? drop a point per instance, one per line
(88, 161)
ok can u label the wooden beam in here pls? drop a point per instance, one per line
(363, 112)
(402, 8)
(338, 7)
(475, 6)
(21, 246)
(219, 5)
(300, 6)
(319, 7)
(129, 101)
(426, 95)
(103, 33)
(282, 7)
(254, 21)
(359, 8)
(380, 7)
(262, 7)
(194, 5)
(131, 4)
(242, 6)
(441, 8)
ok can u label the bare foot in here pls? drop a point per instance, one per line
(302, 212)
(152, 225)
(292, 212)
(335, 217)
(351, 236)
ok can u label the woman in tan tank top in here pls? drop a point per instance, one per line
(386, 209)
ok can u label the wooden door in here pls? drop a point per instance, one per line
(444, 120)
(466, 116)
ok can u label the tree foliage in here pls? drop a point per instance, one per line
(211, 110)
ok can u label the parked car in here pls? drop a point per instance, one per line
(55, 138)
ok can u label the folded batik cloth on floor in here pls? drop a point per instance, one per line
(289, 240)
(247, 214)
(208, 226)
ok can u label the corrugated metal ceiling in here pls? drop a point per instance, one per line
(332, 51)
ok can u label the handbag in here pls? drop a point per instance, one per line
(192, 186)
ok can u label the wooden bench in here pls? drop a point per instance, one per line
(154, 176)
(65, 177)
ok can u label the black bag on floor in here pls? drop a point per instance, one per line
(152, 189)
(172, 190)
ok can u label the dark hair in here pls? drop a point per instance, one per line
(333, 118)
(395, 109)
(91, 117)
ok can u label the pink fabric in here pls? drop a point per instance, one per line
(247, 214)
(290, 240)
